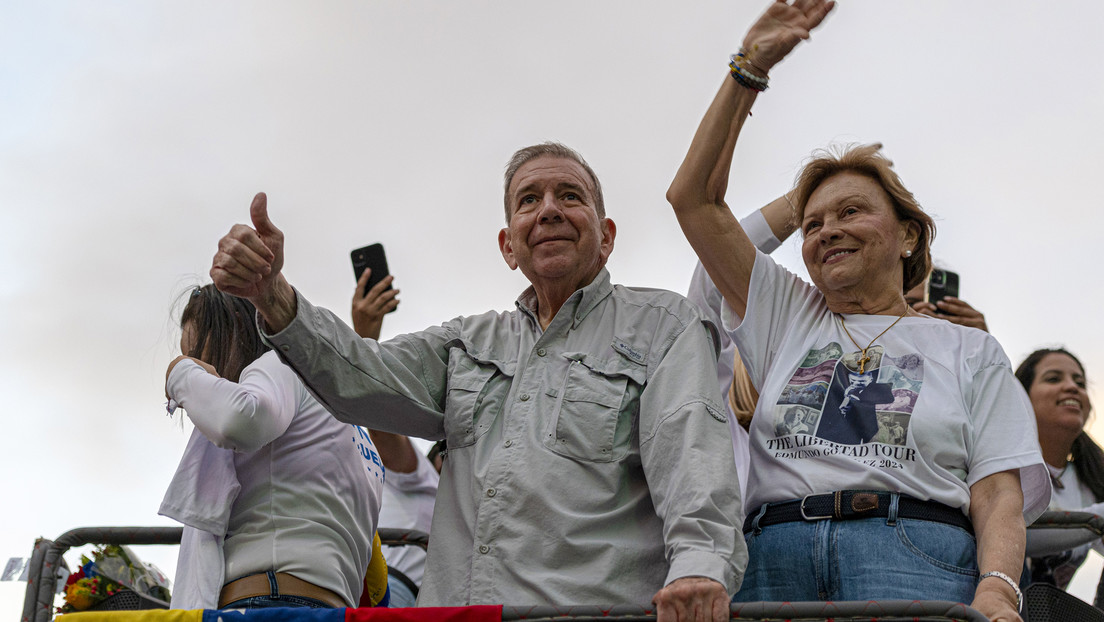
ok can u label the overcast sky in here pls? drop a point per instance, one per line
(134, 135)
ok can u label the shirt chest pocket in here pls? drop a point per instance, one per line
(595, 408)
(477, 390)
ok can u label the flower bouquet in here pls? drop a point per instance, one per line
(112, 573)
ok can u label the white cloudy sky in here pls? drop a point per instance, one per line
(135, 133)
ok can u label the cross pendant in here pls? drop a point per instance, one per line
(862, 363)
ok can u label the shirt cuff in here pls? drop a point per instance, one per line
(711, 566)
(759, 232)
(176, 377)
(280, 341)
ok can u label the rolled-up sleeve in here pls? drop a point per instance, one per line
(686, 453)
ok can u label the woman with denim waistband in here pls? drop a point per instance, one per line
(279, 499)
(916, 443)
(1056, 384)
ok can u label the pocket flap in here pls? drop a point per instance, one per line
(473, 370)
(601, 381)
(611, 367)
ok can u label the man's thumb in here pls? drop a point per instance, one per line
(258, 212)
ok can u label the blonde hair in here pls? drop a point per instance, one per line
(867, 160)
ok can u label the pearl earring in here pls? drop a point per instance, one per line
(908, 253)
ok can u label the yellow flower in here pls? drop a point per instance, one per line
(79, 596)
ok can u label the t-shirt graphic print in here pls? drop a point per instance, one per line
(833, 397)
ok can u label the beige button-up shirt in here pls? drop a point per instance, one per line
(588, 463)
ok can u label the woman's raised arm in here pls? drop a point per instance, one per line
(698, 190)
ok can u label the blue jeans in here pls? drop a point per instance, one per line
(864, 559)
(267, 602)
(275, 599)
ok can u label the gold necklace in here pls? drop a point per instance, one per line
(866, 359)
(1056, 480)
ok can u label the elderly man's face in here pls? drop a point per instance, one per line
(555, 235)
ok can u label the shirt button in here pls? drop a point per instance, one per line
(508, 443)
(525, 397)
(483, 548)
(541, 352)
(491, 492)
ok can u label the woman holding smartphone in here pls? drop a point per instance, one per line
(279, 498)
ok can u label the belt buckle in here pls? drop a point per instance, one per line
(811, 518)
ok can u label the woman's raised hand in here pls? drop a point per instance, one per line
(370, 307)
(781, 28)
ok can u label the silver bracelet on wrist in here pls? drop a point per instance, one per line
(1007, 579)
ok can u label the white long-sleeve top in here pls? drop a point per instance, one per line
(408, 500)
(705, 294)
(311, 486)
(1073, 496)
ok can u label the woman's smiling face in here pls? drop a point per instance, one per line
(1058, 392)
(852, 236)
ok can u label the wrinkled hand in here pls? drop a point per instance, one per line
(369, 309)
(995, 607)
(249, 260)
(955, 311)
(781, 28)
(168, 372)
(692, 599)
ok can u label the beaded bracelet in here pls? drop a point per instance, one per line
(744, 54)
(743, 77)
(742, 81)
(739, 59)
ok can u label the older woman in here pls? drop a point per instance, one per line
(916, 442)
(1055, 382)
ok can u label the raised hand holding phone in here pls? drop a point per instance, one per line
(940, 300)
(370, 307)
(941, 284)
(373, 259)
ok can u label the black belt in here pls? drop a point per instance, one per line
(854, 504)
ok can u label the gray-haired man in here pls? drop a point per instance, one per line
(589, 461)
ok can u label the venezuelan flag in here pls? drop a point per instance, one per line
(481, 613)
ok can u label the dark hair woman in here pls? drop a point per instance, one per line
(220, 330)
(279, 499)
(915, 443)
(1055, 382)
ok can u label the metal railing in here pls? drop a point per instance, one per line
(1043, 603)
(38, 606)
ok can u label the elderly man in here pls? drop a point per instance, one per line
(589, 460)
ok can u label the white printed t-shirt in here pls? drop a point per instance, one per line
(705, 294)
(936, 409)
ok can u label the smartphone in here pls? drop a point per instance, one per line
(942, 283)
(372, 257)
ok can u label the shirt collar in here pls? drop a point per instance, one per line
(580, 303)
